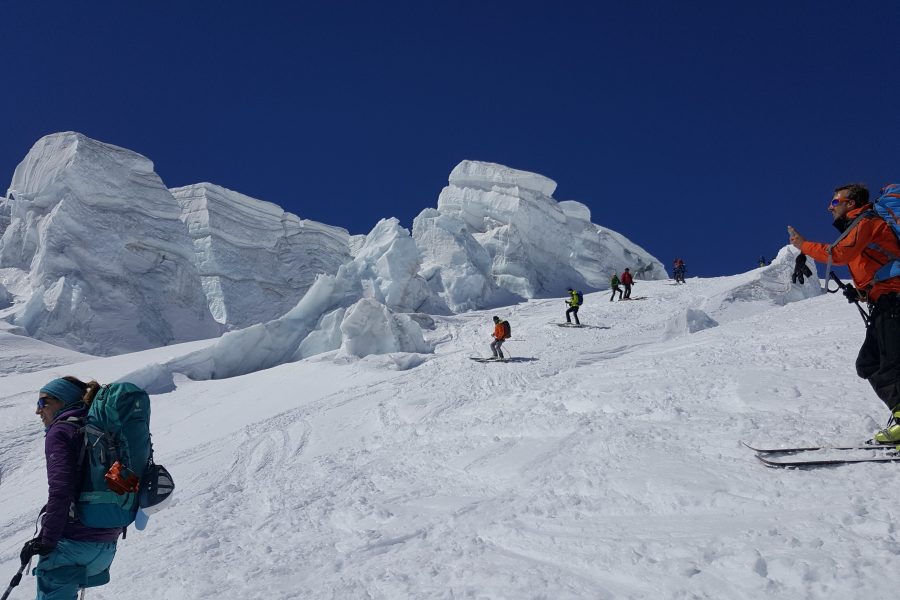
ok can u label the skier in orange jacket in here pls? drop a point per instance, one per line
(866, 244)
(502, 332)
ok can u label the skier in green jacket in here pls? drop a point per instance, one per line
(614, 286)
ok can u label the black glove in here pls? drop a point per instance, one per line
(33, 547)
(852, 294)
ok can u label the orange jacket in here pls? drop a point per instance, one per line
(499, 331)
(860, 251)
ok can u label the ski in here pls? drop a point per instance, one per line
(487, 360)
(825, 462)
(797, 449)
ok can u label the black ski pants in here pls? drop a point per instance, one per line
(573, 310)
(613, 295)
(627, 290)
(879, 358)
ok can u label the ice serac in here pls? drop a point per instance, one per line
(255, 260)
(497, 234)
(359, 311)
(109, 261)
(5, 208)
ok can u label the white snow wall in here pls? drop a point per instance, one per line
(497, 233)
(117, 263)
(109, 262)
(255, 260)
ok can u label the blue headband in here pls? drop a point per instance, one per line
(65, 391)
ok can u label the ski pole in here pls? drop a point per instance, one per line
(15, 581)
(843, 286)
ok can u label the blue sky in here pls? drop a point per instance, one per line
(697, 129)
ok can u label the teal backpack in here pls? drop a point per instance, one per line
(115, 456)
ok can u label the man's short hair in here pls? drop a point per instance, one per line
(858, 192)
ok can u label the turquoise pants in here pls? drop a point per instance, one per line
(73, 565)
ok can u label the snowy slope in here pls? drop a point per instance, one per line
(601, 462)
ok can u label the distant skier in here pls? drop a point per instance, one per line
(574, 302)
(800, 269)
(867, 243)
(762, 261)
(679, 270)
(502, 332)
(627, 281)
(614, 286)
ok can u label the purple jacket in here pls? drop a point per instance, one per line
(61, 446)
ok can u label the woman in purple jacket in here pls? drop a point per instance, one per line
(72, 556)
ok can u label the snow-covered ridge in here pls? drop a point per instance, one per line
(113, 261)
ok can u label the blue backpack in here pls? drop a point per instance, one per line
(888, 208)
(580, 298)
(115, 456)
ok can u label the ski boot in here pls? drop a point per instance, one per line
(891, 432)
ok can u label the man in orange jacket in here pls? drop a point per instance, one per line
(866, 244)
(501, 332)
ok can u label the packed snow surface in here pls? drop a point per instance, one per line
(599, 462)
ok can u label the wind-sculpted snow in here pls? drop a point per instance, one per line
(110, 265)
(498, 232)
(358, 311)
(255, 260)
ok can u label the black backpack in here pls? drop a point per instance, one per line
(507, 330)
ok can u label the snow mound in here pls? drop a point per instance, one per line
(110, 265)
(690, 320)
(255, 260)
(768, 284)
(497, 234)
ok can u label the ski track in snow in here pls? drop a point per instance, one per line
(608, 467)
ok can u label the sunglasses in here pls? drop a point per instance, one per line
(42, 402)
(837, 201)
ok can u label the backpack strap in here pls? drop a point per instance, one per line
(863, 215)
